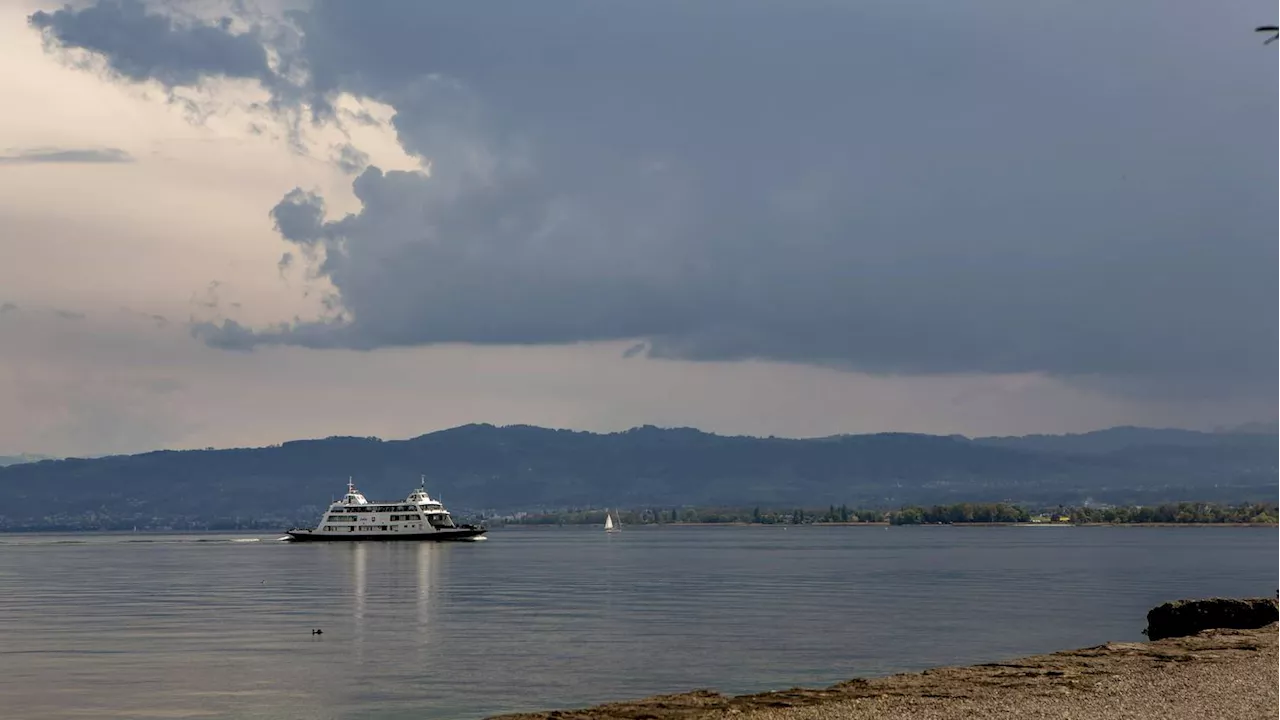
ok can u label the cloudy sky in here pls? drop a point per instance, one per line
(225, 223)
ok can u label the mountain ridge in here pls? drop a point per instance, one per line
(485, 466)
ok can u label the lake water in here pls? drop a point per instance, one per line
(134, 626)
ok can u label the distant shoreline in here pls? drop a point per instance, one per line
(556, 526)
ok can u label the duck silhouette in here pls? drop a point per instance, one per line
(317, 632)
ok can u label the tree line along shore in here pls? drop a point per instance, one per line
(1182, 513)
(966, 513)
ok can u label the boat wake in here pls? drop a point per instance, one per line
(36, 542)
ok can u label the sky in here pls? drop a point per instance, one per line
(226, 223)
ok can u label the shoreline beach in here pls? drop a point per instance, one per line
(1214, 674)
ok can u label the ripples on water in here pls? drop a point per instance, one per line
(123, 626)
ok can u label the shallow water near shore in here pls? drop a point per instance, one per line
(218, 626)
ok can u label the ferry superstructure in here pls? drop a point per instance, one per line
(418, 517)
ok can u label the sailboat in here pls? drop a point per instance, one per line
(608, 523)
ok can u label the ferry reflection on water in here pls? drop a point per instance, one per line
(382, 608)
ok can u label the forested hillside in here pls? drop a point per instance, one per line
(482, 467)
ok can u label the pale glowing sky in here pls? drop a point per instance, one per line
(866, 247)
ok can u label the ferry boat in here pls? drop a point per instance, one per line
(418, 517)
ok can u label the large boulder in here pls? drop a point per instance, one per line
(1188, 617)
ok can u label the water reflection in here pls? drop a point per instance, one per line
(358, 564)
(425, 575)
(359, 574)
(393, 589)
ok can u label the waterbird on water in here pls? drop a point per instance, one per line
(317, 632)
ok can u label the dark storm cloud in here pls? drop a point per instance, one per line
(1082, 189)
(69, 155)
(299, 217)
(142, 45)
(350, 159)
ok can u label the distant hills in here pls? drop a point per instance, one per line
(523, 467)
(6, 460)
(1120, 438)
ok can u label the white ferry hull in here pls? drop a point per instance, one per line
(417, 518)
(443, 535)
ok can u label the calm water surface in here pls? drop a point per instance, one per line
(132, 626)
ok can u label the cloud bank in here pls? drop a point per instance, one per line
(37, 156)
(915, 189)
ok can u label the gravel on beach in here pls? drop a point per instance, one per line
(1217, 674)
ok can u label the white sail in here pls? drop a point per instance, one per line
(608, 522)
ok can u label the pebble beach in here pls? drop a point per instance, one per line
(1215, 674)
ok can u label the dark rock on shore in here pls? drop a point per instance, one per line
(1188, 617)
